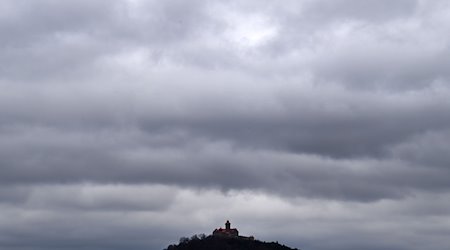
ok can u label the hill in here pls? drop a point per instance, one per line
(225, 243)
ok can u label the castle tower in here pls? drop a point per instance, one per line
(227, 225)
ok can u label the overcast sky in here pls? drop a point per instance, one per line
(321, 124)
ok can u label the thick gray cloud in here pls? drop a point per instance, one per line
(128, 124)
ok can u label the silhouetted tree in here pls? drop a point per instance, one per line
(183, 240)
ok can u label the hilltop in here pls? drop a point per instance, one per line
(225, 239)
(225, 243)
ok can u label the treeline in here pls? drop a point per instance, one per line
(203, 242)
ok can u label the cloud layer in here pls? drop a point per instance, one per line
(140, 121)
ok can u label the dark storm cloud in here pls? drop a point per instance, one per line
(428, 149)
(41, 38)
(391, 48)
(116, 108)
(64, 41)
(100, 127)
(184, 160)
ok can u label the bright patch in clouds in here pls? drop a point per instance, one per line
(248, 30)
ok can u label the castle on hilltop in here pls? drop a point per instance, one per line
(229, 232)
